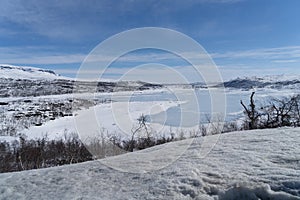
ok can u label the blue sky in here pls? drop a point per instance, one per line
(244, 37)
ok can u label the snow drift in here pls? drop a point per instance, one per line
(260, 164)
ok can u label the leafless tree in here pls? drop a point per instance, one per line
(251, 113)
(142, 125)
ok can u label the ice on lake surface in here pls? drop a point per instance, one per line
(162, 107)
(200, 110)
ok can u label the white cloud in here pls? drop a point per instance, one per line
(266, 53)
(46, 55)
(38, 55)
(156, 73)
(285, 61)
(287, 56)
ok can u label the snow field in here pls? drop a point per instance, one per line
(260, 164)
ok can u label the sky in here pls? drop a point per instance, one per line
(243, 37)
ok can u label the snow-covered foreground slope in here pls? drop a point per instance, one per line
(261, 164)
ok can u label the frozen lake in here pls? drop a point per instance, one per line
(177, 109)
(202, 109)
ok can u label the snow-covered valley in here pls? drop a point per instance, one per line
(150, 100)
(259, 164)
(37, 102)
(54, 115)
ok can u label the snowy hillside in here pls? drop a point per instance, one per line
(19, 81)
(8, 72)
(276, 78)
(271, 82)
(261, 164)
(24, 72)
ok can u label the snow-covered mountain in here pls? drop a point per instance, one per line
(38, 76)
(276, 78)
(259, 164)
(31, 81)
(271, 81)
(25, 72)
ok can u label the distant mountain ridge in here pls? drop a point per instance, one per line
(273, 82)
(24, 76)
(16, 81)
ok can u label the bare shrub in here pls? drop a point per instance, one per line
(41, 153)
(277, 113)
(104, 145)
(251, 114)
(230, 127)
